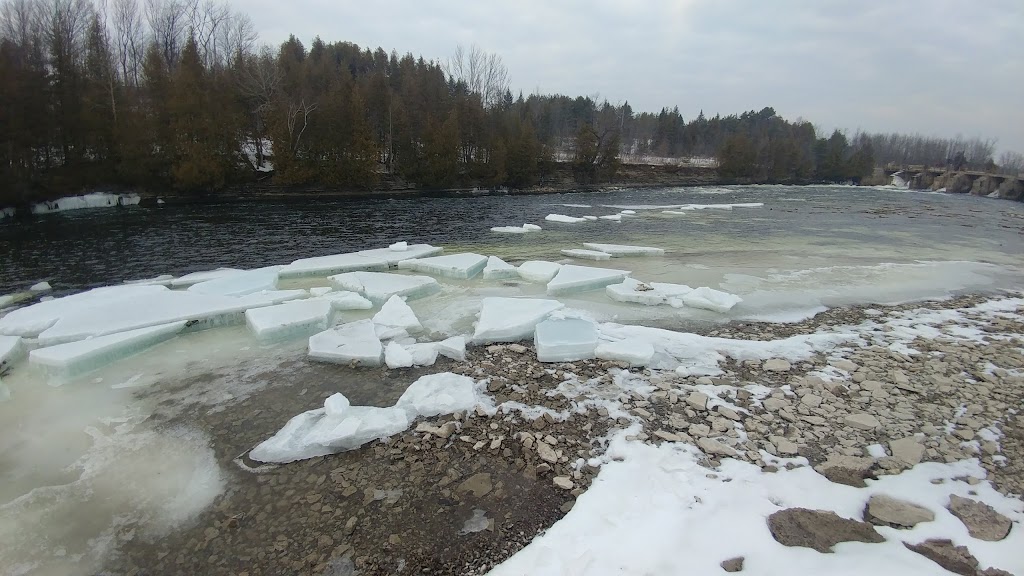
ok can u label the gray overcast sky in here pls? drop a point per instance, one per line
(936, 67)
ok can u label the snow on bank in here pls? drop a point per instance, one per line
(94, 200)
(7, 213)
(655, 510)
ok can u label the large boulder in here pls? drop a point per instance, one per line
(981, 520)
(959, 183)
(818, 529)
(849, 470)
(1011, 189)
(885, 510)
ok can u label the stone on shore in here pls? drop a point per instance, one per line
(818, 529)
(981, 520)
(885, 510)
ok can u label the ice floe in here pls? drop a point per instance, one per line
(379, 286)
(648, 293)
(711, 299)
(524, 229)
(240, 284)
(572, 278)
(538, 271)
(618, 250)
(461, 266)
(498, 269)
(586, 254)
(94, 200)
(395, 319)
(354, 343)
(289, 320)
(11, 348)
(375, 260)
(161, 280)
(612, 217)
(68, 360)
(41, 287)
(32, 320)
(345, 300)
(511, 319)
(562, 218)
(204, 276)
(565, 340)
(396, 356)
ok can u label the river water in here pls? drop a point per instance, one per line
(82, 467)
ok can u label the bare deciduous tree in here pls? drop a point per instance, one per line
(483, 73)
(1011, 163)
(168, 21)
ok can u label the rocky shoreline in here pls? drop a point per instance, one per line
(460, 494)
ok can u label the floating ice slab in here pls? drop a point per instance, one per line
(565, 340)
(41, 287)
(288, 320)
(710, 299)
(498, 269)
(379, 286)
(532, 227)
(240, 284)
(334, 264)
(582, 278)
(538, 271)
(649, 293)
(509, 230)
(586, 254)
(320, 291)
(345, 300)
(395, 319)
(613, 217)
(161, 280)
(462, 266)
(355, 342)
(623, 250)
(396, 356)
(10, 350)
(564, 219)
(32, 320)
(634, 351)
(438, 394)
(396, 255)
(69, 360)
(94, 200)
(204, 276)
(511, 319)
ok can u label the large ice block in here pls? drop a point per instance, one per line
(289, 320)
(632, 350)
(586, 254)
(10, 350)
(438, 394)
(648, 293)
(204, 276)
(538, 271)
(619, 250)
(511, 319)
(345, 300)
(378, 259)
(454, 348)
(161, 280)
(612, 217)
(240, 284)
(462, 266)
(510, 230)
(396, 253)
(396, 356)
(562, 218)
(710, 299)
(379, 286)
(582, 278)
(68, 360)
(422, 354)
(565, 340)
(498, 269)
(31, 321)
(395, 319)
(355, 342)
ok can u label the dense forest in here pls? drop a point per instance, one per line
(178, 95)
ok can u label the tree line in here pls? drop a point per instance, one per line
(178, 94)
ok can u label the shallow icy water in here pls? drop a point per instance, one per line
(84, 463)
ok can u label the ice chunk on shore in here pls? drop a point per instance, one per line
(582, 278)
(395, 319)
(619, 250)
(538, 271)
(710, 299)
(345, 300)
(438, 394)
(69, 360)
(11, 349)
(396, 356)
(355, 342)
(564, 219)
(380, 286)
(31, 321)
(204, 276)
(86, 201)
(454, 348)
(511, 319)
(632, 350)
(648, 294)
(240, 284)
(498, 269)
(586, 254)
(565, 340)
(462, 266)
(288, 320)
(41, 287)
(424, 354)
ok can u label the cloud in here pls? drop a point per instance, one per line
(931, 66)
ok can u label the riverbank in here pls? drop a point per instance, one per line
(932, 386)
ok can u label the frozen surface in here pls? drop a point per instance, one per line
(41, 287)
(562, 218)
(204, 276)
(565, 340)
(586, 254)
(634, 351)
(345, 300)
(710, 299)
(462, 266)
(355, 343)
(438, 394)
(32, 320)
(624, 250)
(69, 360)
(538, 271)
(10, 349)
(396, 356)
(630, 520)
(511, 319)
(582, 278)
(288, 320)
(395, 319)
(498, 269)
(161, 280)
(378, 287)
(648, 293)
(320, 291)
(378, 259)
(524, 229)
(396, 252)
(94, 200)
(240, 284)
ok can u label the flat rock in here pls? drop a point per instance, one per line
(849, 470)
(547, 453)
(698, 400)
(908, 449)
(712, 446)
(956, 559)
(862, 421)
(885, 510)
(564, 482)
(818, 529)
(477, 484)
(733, 564)
(981, 520)
(845, 365)
(776, 365)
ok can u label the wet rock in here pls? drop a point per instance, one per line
(849, 470)
(862, 421)
(956, 559)
(478, 484)
(909, 450)
(776, 365)
(981, 520)
(818, 529)
(883, 510)
(733, 564)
